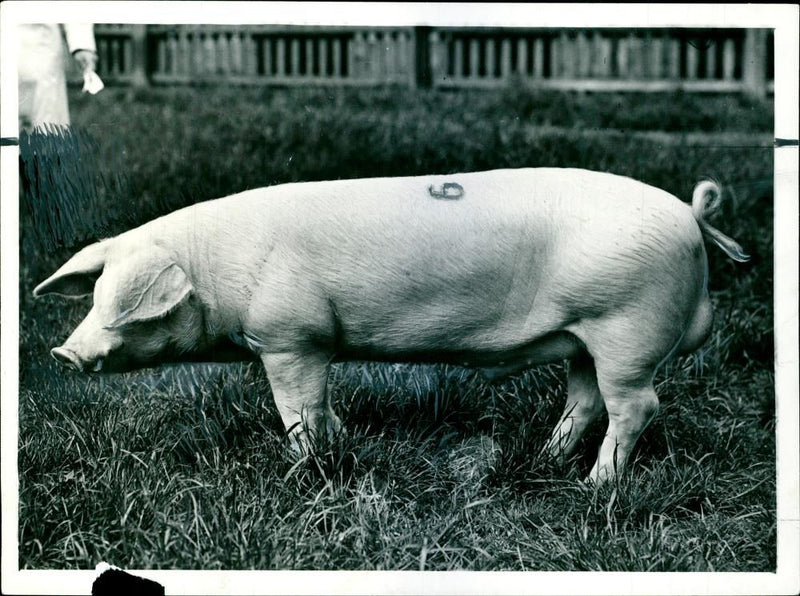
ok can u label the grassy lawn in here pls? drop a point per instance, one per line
(439, 469)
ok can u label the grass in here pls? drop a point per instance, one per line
(439, 469)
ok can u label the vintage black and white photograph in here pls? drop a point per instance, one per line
(456, 288)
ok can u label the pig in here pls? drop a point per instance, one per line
(513, 268)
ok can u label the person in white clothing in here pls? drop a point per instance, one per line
(42, 69)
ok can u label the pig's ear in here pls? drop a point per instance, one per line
(76, 277)
(151, 294)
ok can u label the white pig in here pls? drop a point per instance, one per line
(497, 270)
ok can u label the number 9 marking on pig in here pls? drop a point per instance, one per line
(448, 191)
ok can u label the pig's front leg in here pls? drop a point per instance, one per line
(299, 386)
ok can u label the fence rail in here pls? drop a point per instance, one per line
(710, 60)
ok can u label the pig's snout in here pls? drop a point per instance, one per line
(71, 360)
(67, 357)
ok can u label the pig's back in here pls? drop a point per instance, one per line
(496, 214)
(505, 194)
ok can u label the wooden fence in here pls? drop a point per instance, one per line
(709, 60)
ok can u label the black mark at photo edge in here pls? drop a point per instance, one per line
(113, 581)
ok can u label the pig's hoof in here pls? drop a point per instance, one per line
(335, 430)
(589, 482)
(299, 446)
(596, 480)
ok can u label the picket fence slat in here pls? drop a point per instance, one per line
(723, 60)
(458, 58)
(280, 57)
(602, 52)
(538, 58)
(337, 58)
(692, 59)
(728, 59)
(674, 60)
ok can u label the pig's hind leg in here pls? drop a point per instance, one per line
(299, 387)
(627, 350)
(631, 405)
(584, 405)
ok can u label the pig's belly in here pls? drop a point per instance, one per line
(493, 363)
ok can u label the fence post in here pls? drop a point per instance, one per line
(754, 64)
(139, 55)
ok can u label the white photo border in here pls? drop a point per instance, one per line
(782, 18)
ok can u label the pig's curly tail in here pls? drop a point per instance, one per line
(706, 199)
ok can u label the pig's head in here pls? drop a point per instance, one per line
(144, 310)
